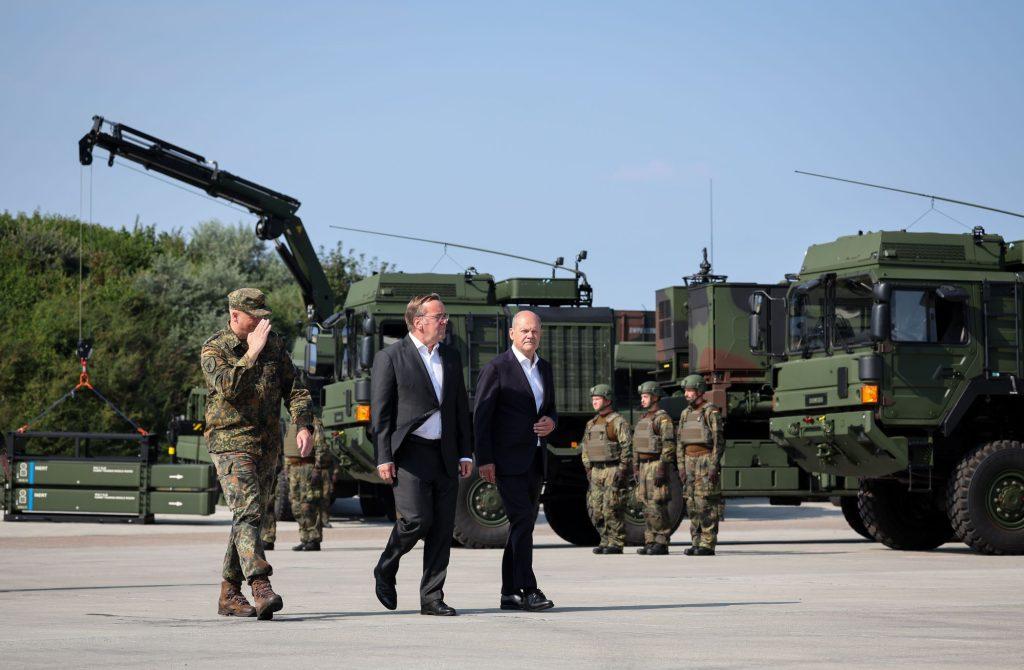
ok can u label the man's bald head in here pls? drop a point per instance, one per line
(525, 333)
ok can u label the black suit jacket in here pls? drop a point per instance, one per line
(506, 411)
(402, 397)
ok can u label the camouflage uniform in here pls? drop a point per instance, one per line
(608, 458)
(268, 529)
(304, 492)
(244, 437)
(328, 467)
(700, 443)
(654, 447)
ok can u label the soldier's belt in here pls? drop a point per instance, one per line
(648, 457)
(697, 450)
(605, 464)
(299, 460)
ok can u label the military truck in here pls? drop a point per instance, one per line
(901, 366)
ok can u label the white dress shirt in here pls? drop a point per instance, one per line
(532, 370)
(431, 428)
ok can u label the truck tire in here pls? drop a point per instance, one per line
(634, 511)
(985, 498)
(283, 505)
(377, 501)
(566, 513)
(480, 519)
(902, 519)
(851, 513)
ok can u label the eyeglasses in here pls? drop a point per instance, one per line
(443, 316)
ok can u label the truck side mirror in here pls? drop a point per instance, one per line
(755, 332)
(369, 325)
(755, 302)
(881, 321)
(312, 333)
(366, 352)
(882, 291)
(310, 358)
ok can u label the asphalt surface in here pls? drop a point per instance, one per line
(790, 587)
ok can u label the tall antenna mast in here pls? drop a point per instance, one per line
(711, 216)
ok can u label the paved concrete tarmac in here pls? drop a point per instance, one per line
(791, 587)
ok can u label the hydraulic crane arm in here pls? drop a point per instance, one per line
(276, 211)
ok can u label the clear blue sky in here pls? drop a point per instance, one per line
(538, 128)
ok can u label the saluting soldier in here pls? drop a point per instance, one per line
(654, 447)
(248, 372)
(699, 453)
(305, 487)
(608, 461)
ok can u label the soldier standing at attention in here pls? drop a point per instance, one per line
(699, 453)
(248, 372)
(654, 447)
(328, 467)
(608, 460)
(305, 488)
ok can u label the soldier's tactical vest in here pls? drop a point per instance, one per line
(693, 429)
(646, 440)
(599, 447)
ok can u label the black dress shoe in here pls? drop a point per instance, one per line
(599, 550)
(691, 550)
(657, 550)
(612, 550)
(536, 601)
(268, 546)
(386, 593)
(513, 602)
(437, 608)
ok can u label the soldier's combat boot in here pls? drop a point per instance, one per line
(268, 546)
(232, 602)
(704, 551)
(646, 549)
(599, 550)
(691, 550)
(657, 550)
(613, 550)
(312, 545)
(267, 602)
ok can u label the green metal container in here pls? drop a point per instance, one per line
(76, 501)
(182, 476)
(94, 474)
(183, 502)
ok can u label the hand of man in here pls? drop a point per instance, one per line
(544, 427)
(465, 468)
(487, 473)
(713, 475)
(386, 472)
(257, 339)
(661, 474)
(304, 441)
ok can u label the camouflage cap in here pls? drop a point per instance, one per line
(650, 387)
(249, 300)
(695, 382)
(601, 390)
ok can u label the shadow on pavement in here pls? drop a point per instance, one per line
(102, 588)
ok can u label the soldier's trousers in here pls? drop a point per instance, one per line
(654, 499)
(607, 505)
(268, 529)
(327, 495)
(247, 481)
(704, 501)
(305, 500)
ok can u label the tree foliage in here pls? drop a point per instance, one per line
(149, 299)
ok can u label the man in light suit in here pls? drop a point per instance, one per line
(421, 428)
(515, 411)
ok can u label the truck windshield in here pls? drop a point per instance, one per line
(853, 300)
(806, 325)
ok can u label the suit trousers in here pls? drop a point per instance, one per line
(425, 496)
(520, 495)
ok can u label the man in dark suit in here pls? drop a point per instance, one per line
(421, 431)
(515, 411)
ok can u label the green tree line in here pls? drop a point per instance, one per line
(149, 299)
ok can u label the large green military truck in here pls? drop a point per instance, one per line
(901, 366)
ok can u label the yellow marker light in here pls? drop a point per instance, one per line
(170, 451)
(574, 445)
(869, 394)
(362, 412)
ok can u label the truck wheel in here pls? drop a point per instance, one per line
(635, 511)
(852, 515)
(902, 519)
(566, 512)
(985, 498)
(377, 501)
(480, 519)
(283, 505)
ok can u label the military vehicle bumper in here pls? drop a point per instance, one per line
(841, 443)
